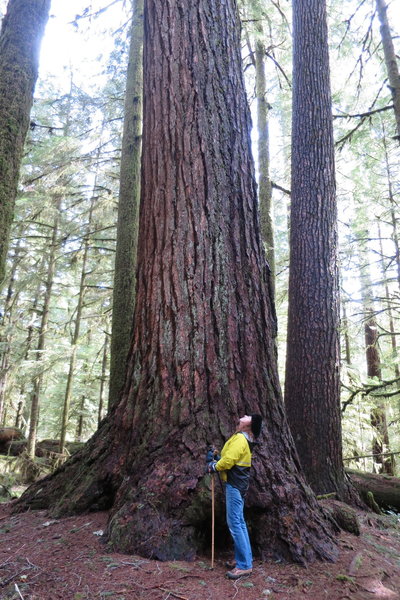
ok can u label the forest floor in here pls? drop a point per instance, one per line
(46, 559)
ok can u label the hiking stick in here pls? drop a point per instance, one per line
(212, 518)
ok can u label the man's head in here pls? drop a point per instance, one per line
(251, 423)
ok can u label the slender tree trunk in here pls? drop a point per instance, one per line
(38, 381)
(394, 216)
(312, 387)
(18, 423)
(128, 211)
(380, 442)
(77, 329)
(264, 182)
(6, 329)
(388, 299)
(390, 60)
(21, 33)
(203, 350)
(84, 395)
(25, 408)
(345, 325)
(103, 379)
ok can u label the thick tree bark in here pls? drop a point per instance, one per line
(264, 181)
(203, 349)
(128, 211)
(21, 33)
(312, 387)
(390, 61)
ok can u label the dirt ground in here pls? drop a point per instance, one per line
(46, 559)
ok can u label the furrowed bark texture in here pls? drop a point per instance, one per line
(21, 33)
(312, 368)
(203, 349)
(128, 211)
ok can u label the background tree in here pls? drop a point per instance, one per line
(203, 348)
(312, 384)
(20, 36)
(390, 60)
(128, 211)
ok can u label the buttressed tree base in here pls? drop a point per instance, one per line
(203, 348)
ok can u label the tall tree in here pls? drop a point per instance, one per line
(128, 211)
(312, 386)
(390, 60)
(264, 182)
(20, 36)
(203, 349)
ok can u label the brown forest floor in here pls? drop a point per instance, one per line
(46, 559)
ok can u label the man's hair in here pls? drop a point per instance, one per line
(256, 423)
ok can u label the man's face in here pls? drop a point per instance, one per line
(245, 423)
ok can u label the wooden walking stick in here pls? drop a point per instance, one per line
(212, 519)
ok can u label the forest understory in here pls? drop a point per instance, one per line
(46, 559)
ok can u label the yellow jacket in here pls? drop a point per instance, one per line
(235, 462)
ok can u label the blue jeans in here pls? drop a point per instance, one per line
(237, 527)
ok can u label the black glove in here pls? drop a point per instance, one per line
(210, 468)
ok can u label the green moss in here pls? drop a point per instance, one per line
(344, 578)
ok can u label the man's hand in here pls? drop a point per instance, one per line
(210, 468)
(212, 455)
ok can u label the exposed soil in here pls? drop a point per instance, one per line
(46, 559)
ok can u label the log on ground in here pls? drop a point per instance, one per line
(385, 488)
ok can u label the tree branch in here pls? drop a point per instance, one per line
(365, 114)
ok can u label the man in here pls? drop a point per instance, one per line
(234, 465)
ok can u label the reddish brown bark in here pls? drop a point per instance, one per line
(312, 386)
(203, 349)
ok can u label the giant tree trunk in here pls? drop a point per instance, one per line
(128, 211)
(20, 37)
(390, 61)
(202, 351)
(312, 387)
